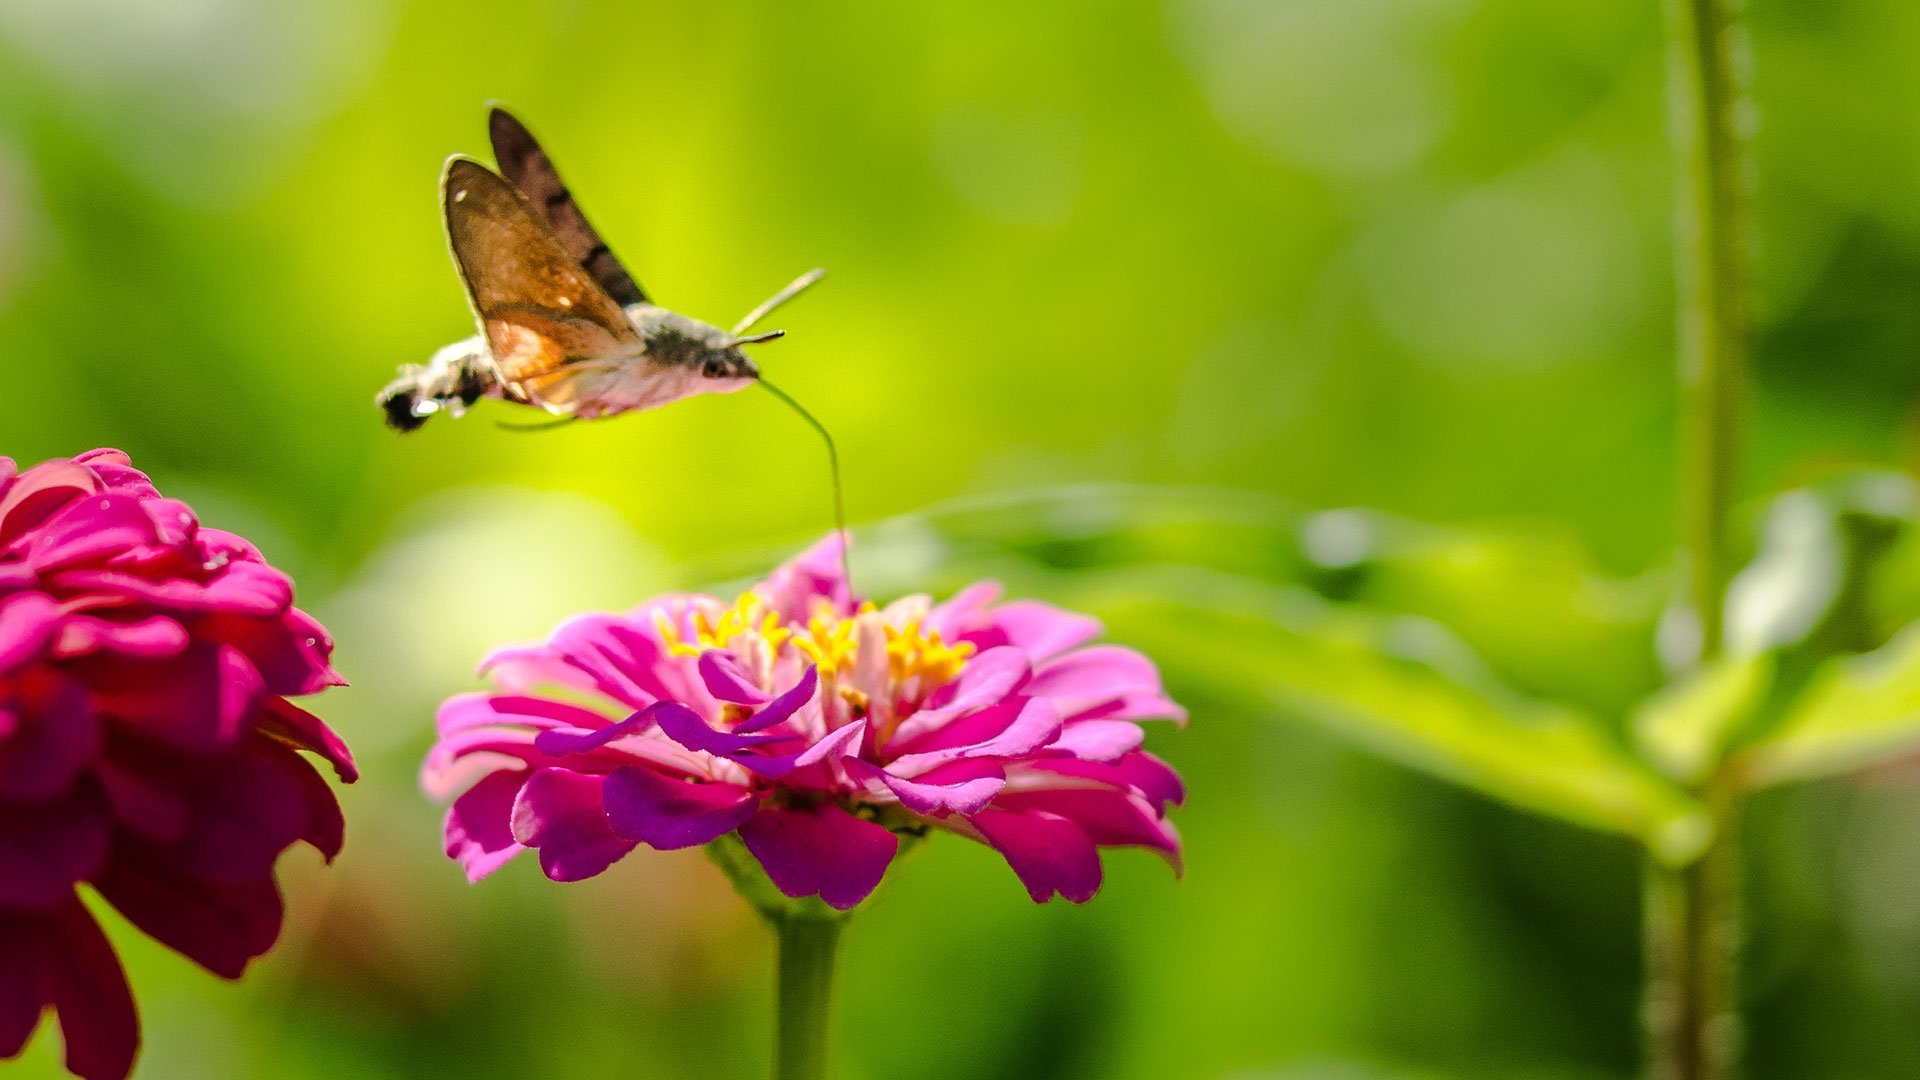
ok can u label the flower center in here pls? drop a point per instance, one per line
(917, 661)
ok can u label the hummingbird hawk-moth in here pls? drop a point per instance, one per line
(563, 327)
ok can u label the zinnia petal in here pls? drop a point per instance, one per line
(562, 814)
(823, 851)
(667, 813)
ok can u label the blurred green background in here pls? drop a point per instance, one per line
(1257, 254)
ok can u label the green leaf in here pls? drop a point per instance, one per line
(1858, 711)
(1409, 690)
(1684, 730)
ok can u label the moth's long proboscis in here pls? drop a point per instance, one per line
(833, 463)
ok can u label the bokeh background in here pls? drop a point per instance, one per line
(1113, 285)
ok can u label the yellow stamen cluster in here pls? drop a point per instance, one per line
(748, 615)
(912, 654)
(830, 641)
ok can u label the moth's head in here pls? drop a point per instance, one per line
(726, 368)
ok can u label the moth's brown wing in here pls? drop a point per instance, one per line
(537, 306)
(523, 162)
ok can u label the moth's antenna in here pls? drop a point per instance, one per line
(833, 462)
(758, 339)
(799, 286)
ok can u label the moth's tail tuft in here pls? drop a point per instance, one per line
(452, 381)
(400, 402)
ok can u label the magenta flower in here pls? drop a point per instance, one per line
(147, 746)
(817, 727)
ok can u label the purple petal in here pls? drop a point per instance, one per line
(1005, 730)
(1049, 853)
(727, 680)
(824, 852)
(667, 814)
(561, 813)
(988, 679)
(559, 742)
(834, 745)
(685, 727)
(479, 826)
(958, 787)
(782, 708)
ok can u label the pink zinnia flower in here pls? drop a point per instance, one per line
(146, 745)
(819, 728)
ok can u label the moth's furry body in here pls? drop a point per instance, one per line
(563, 326)
(674, 357)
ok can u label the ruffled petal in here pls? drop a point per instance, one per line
(667, 813)
(47, 736)
(562, 814)
(220, 926)
(1009, 729)
(46, 848)
(1049, 853)
(479, 824)
(727, 680)
(957, 787)
(88, 990)
(1099, 740)
(1106, 682)
(823, 851)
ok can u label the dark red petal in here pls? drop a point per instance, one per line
(23, 990)
(221, 927)
(198, 700)
(55, 733)
(89, 989)
(46, 848)
(302, 730)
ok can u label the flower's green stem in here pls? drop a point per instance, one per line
(809, 949)
(1692, 1004)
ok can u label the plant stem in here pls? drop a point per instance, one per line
(1692, 934)
(1692, 919)
(1709, 113)
(809, 949)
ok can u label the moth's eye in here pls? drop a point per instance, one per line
(714, 368)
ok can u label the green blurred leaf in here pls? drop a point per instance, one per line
(1684, 729)
(1857, 712)
(1406, 688)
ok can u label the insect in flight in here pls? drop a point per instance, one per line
(563, 326)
